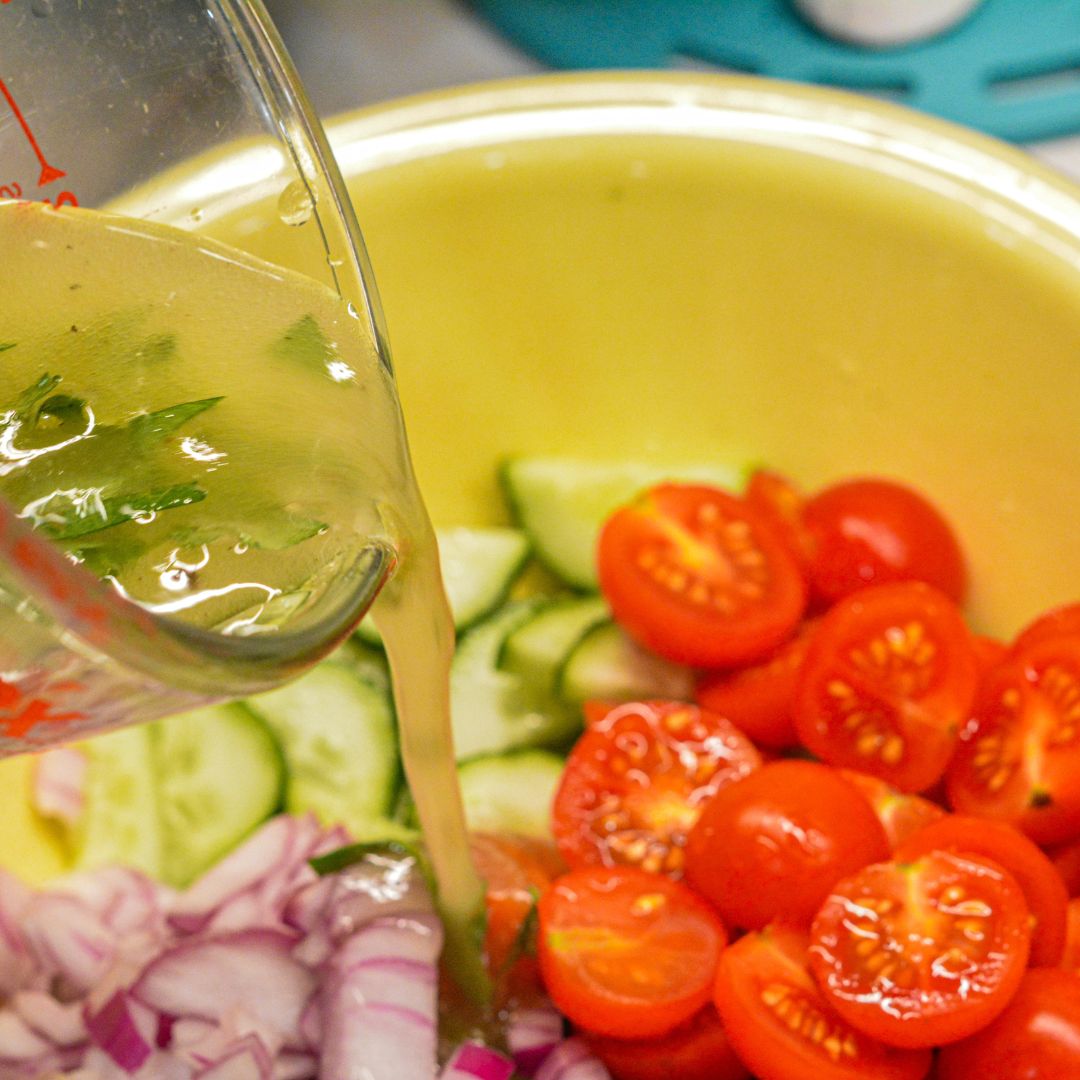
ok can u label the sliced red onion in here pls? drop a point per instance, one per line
(378, 1001)
(125, 900)
(19, 968)
(474, 1061)
(118, 1029)
(59, 784)
(19, 1041)
(531, 1034)
(60, 1024)
(572, 1060)
(294, 1065)
(69, 940)
(251, 969)
(245, 1059)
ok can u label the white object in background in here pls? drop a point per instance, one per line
(884, 22)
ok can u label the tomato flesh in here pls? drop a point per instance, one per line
(887, 683)
(776, 498)
(758, 698)
(773, 845)
(901, 815)
(1020, 759)
(1045, 892)
(1036, 1038)
(1063, 621)
(924, 953)
(626, 953)
(874, 531)
(692, 573)
(782, 1026)
(635, 782)
(696, 1050)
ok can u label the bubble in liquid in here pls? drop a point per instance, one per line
(41, 8)
(295, 206)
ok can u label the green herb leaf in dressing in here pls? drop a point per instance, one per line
(305, 343)
(65, 515)
(5, 345)
(158, 350)
(156, 425)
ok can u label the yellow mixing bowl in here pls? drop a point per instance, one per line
(690, 267)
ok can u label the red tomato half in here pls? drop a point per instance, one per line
(1070, 961)
(1062, 621)
(1044, 891)
(772, 846)
(696, 576)
(922, 953)
(1066, 860)
(627, 953)
(635, 782)
(776, 498)
(1019, 761)
(901, 815)
(758, 699)
(887, 684)
(1036, 1038)
(871, 532)
(697, 1050)
(782, 1026)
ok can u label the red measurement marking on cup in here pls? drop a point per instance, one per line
(19, 714)
(49, 173)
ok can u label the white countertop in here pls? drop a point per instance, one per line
(358, 52)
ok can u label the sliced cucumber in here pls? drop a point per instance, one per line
(478, 567)
(562, 502)
(538, 649)
(494, 710)
(511, 793)
(120, 822)
(609, 665)
(219, 775)
(339, 739)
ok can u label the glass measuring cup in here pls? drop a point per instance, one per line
(97, 100)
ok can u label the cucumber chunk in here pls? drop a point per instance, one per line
(562, 502)
(494, 710)
(219, 775)
(511, 793)
(478, 567)
(538, 649)
(609, 665)
(339, 739)
(120, 822)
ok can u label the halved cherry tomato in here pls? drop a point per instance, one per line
(888, 681)
(773, 845)
(627, 953)
(696, 576)
(1037, 1037)
(1066, 860)
(757, 699)
(1019, 760)
(1061, 621)
(696, 1050)
(515, 871)
(782, 1026)
(776, 498)
(922, 953)
(874, 531)
(989, 652)
(635, 782)
(1070, 959)
(901, 815)
(1044, 891)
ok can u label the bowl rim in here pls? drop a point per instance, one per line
(1011, 189)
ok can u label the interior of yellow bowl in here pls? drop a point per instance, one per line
(705, 268)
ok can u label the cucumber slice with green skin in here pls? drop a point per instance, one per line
(479, 566)
(609, 665)
(219, 775)
(339, 739)
(493, 710)
(561, 503)
(511, 793)
(538, 650)
(120, 822)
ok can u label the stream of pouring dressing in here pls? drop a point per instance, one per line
(236, 514)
